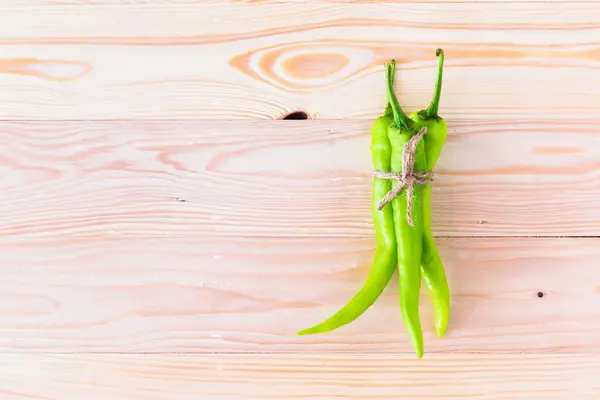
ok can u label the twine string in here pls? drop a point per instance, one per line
(407, 178)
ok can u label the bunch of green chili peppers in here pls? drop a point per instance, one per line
(411, 248)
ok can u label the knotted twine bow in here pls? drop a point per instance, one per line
(407, 178)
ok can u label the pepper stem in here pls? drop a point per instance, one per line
(432, 110)
(388, 111)
(388, 108)
(400, 118)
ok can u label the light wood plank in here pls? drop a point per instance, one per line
(252, 295)
(286, 178)
(261, 60)
(268, 376)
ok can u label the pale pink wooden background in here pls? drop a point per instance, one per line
(163, 235)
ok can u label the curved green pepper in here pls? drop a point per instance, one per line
(384, 260)
(431, 262)
(409, 238)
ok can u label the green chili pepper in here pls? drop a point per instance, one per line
(384, 261)
(431, 262)
(409, 238)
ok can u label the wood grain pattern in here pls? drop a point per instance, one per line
(286, 178)
(295, 377)
(259, 61)
(252, 295)
(158, 241)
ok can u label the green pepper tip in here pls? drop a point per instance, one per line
(439, 332)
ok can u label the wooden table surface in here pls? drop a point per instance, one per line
(164, 234)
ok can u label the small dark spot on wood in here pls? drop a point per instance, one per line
(180, 199)
(540, 294)
(297, 115)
